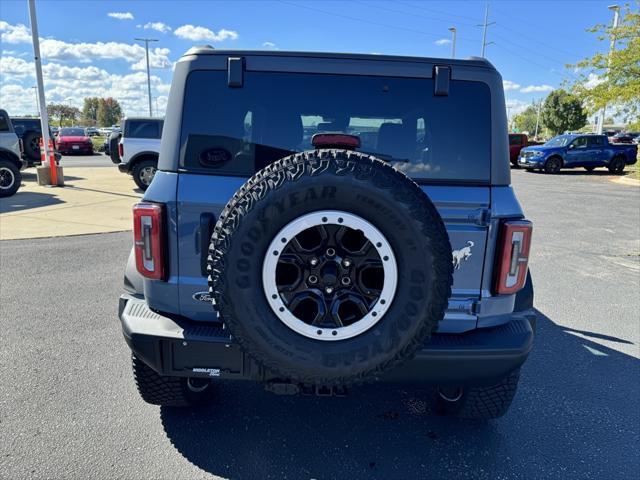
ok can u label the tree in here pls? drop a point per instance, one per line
(90, 110)
(64, 113)
(614, 79)
(563, 111)
(109, 112)
(525, 121)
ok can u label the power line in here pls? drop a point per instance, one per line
(362, 20)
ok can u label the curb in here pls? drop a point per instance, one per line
(627, 181)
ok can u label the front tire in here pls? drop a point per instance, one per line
(478, 403)
(616, 166)
(10, 178)
(552, 165)
(143, 173)
(166, 391)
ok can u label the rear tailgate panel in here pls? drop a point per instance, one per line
(463, 208)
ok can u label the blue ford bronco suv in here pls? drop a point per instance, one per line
(319, 221)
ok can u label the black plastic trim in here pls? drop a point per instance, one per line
(175, 346)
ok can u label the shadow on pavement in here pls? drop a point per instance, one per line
(26, 200)
(33, 177)
(576, 415)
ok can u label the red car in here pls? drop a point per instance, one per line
(74, 140)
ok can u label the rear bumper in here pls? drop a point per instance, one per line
(186, 348)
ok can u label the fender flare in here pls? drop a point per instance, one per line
(11, 156)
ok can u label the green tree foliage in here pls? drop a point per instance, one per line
(563, 111)
(109, 112)
(614, 79)
(525, 121)
(90, 111)
(65, 114)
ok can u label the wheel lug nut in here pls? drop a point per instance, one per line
(314, 262)
(313, 279)
(329, 290)
(346, 280)
(330, 252)
(346, 262)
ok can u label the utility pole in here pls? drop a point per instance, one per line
(535, 135)
(146, 47)
(453, 41)
(42, 106)
(612, 48)
(509, 118)
(484, 29)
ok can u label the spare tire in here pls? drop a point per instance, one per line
(330, 267)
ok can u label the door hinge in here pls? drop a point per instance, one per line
(481, 217)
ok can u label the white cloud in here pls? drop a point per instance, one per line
(536, 88)
(593, 80)
(509, 85)
(157, 26)
(52, 49)
(270, 45)
(18, 100)
(196, 34)
(12, 67)
(14, 33)
(121, 15)
(442, 41)
(515, 106)
(71, 84)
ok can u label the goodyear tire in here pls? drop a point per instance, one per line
(330, 268)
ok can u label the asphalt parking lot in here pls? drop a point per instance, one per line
(69, 409)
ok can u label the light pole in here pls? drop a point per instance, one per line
(484, 29)
(35, 93)
(146, 47)
(612, 47)
(453, 41)
(535, 135)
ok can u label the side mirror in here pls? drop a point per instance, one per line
(572, 146)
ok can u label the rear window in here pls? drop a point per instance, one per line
(236, 131)
(144, 129)
(71, 132)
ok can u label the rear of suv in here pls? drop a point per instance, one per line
(138, 149)
(316, 223)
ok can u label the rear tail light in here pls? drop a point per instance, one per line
(121, 150)
(513, 256)
(149, 240)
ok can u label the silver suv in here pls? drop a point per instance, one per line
(10, 154)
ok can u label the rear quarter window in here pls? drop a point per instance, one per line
(4, 123)
(143, 129)
(236, 131)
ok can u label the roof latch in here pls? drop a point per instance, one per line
(441, 84)
(235, 71)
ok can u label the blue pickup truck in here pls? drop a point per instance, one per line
(571, 151)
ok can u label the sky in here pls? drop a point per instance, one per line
(88, 47)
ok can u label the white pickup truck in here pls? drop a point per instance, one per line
(139, 148)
